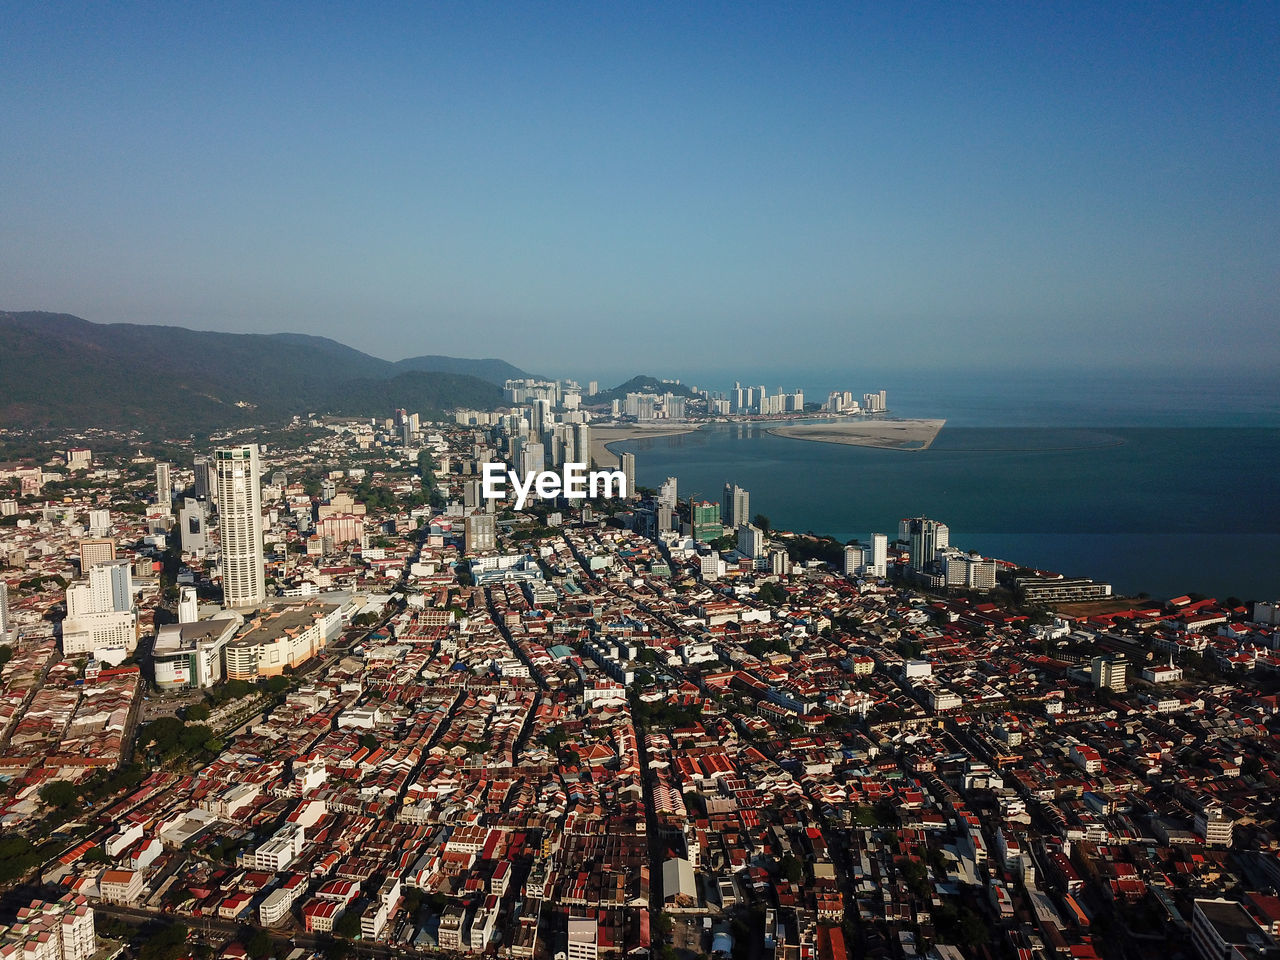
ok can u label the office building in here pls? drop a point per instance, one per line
(95, 550)
(926, 537)
(1110, 673)
(239, 492)
(1213, 826)
(4, 608)
(735, 506)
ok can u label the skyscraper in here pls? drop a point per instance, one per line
(239, 493)
(4, 608)
(879, 555)
(735, 505)
(164, 486)
(628, 462)
(667, 493)
(926, 538)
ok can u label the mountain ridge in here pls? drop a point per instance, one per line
(59, 370)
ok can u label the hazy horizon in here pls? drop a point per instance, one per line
(577, 188)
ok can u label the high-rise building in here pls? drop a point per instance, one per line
(99, 523)
(751, 541)
(480, 534)
(582, 443)
(854, 559)
(879, 562)
(1214, 826)
(4, 608)
(239, 491)
(735, 505)
(926, 537)
(533, 458)
(203, 469)
(108, 589)
(188, 607)
(164, 485)
(667, 493)
(1110, 673)
(95, 550)
(192, 521)
(704, 520)
(628, 463)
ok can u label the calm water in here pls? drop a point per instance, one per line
(1142, 496)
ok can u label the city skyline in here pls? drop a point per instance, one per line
(996, 184)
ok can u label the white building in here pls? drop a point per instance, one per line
(240, 525)
(878, 566)
(282, 849)
(1213, 826)
(583, 934)
(45, 930)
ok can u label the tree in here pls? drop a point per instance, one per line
(790, 869)
(369, 741)
(761, 521)
(196, 713)
(60, 794)
(348, 925)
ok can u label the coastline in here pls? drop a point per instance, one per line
(602, 439)
(907, 434)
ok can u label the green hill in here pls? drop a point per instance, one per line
(57, 370)
(640, 384)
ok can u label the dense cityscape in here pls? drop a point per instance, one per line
(307, 689)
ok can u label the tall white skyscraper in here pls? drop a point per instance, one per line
(239, 492)
(164, 486)
(879, 566)
(4, 608)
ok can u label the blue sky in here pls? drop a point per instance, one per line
(673, 187)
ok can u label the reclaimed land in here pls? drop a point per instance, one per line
(602, 438)
(886, 434)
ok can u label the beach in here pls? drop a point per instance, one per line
(602, 436)
(886, 434)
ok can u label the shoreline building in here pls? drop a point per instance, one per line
(239, 493)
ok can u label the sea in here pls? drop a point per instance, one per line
(1158, 484)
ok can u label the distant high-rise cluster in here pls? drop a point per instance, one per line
(844, 401)
(759, 402)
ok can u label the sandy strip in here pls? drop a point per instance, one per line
(886, 434)
(602, 437)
